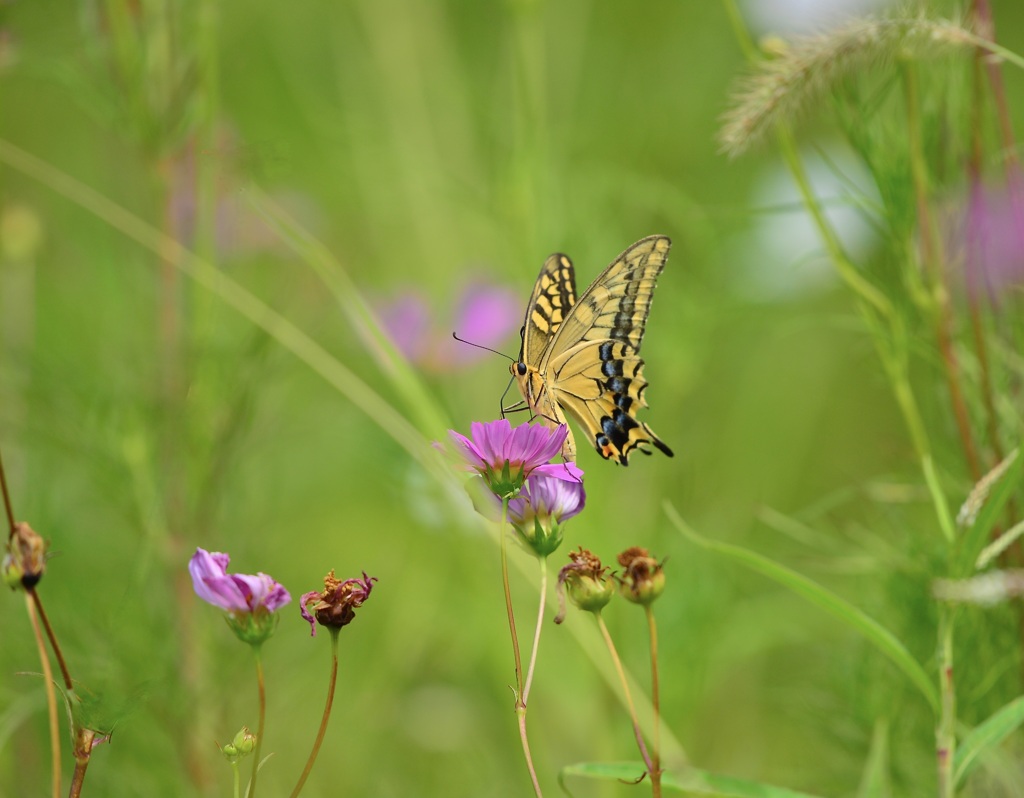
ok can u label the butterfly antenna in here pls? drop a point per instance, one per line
(481, 346)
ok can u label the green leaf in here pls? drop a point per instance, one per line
(691, 780)
(1000, 725)
(876, 634)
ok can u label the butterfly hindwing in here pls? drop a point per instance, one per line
(586, 359)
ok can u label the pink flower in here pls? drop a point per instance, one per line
(485, 314)
(505, 457)
(236, 593)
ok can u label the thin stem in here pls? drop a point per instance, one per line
(263, 716)
(931, 250)
(652, 628)
(53, 640)
(520, 699)
(985, 25)
(540, 620)
(51, 694)
(7, 500)
(503, 545)
(326, 716)
(625, 689)
(83, 755)
(945, 736)
(237, 778)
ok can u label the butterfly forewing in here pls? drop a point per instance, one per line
(583, 356)
(553, 297)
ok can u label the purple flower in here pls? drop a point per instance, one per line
(505, 457)
(235, 593)
(543, 496)
(544, 503)
(485, 314)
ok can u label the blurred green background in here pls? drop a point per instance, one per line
(427, 146)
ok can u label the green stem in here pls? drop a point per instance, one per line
(945, 736)
(326, 716)
(237, 779)
(652, 628)
(263, 716)
(536, 632)
(625, 690)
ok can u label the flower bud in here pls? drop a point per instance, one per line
(25, 560)
(588, 585)
(643, 580)
(242, 745)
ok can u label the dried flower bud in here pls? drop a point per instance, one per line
(25, 560)
(336, 605)
(643, 580)
(587, 583)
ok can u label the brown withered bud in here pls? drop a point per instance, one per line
(25, 560)
(643, 579)
(586, 581)
(336, 605)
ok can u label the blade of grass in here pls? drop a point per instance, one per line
(1000, 725)
(876, 634)
(693, 781)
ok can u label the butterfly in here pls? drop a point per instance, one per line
(582, 357)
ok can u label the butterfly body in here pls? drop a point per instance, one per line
(582, 357)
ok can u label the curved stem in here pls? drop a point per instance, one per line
(652, 628)
(326, 716)
(625, 689)
(51, 696)
(536, 632)
(263, 716)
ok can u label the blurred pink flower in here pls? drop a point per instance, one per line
(485, 314)
(990, 240)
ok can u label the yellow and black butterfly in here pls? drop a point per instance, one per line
(583, 356)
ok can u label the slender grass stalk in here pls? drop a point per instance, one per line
(652, 632)
(931, 248)
(519, 688)
(262, 723)
(617, 661)
(236, 780)
(536, 632)
(332, 684)
(51, 694)
(984, 23)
